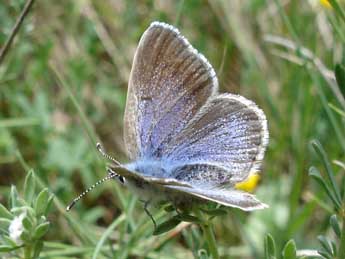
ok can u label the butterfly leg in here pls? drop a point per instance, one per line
(146, 204)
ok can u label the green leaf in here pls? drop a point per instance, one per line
(27, 223)
(6, 248)
(169, 208)
(329, 172)
(49, 203)
(335, 225)
(22, 202)
(289, 251)
(41, 230)
(188, 218)
(41, 202)
(4, 213)
(334, 248)
(29, 187)
(270, 247)
(215, 212)
(9, 241)
(314, 173)
(340, 77)
(325, 254)
(325, 244)
(24, 209)
(166, 226)
(4, 224)
(13, 196)
(25, 236)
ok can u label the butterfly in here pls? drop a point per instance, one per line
(187, 142)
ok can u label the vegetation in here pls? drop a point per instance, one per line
(63, 87)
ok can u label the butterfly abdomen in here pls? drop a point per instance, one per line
(155, 193)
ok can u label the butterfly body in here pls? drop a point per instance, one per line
(156, 193)
(187, 142)
(148, 167)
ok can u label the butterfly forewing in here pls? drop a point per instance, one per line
(232, 198)
(168, 85)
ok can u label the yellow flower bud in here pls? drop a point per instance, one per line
(325, 3)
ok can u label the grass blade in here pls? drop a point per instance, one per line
(106, 234)
(329, 171)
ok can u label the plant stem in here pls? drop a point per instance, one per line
(341, 251)
(27, 252)
(208, 233)
(15, 29)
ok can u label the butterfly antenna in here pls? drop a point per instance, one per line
(111, 175)
(101, 150)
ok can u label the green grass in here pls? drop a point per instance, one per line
(63, 88)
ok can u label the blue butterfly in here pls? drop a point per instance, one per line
(187, 142)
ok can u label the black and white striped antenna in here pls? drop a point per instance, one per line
(101, 150)
(111, 175)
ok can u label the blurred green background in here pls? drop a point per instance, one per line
(63, 88)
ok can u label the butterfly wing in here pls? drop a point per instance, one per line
(228, 136)
(135, 176)
(172, 114)
(169, 82)
(230, 198)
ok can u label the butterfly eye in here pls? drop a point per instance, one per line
(121, 179)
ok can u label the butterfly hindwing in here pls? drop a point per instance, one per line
(202, 175)
(230, 133)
